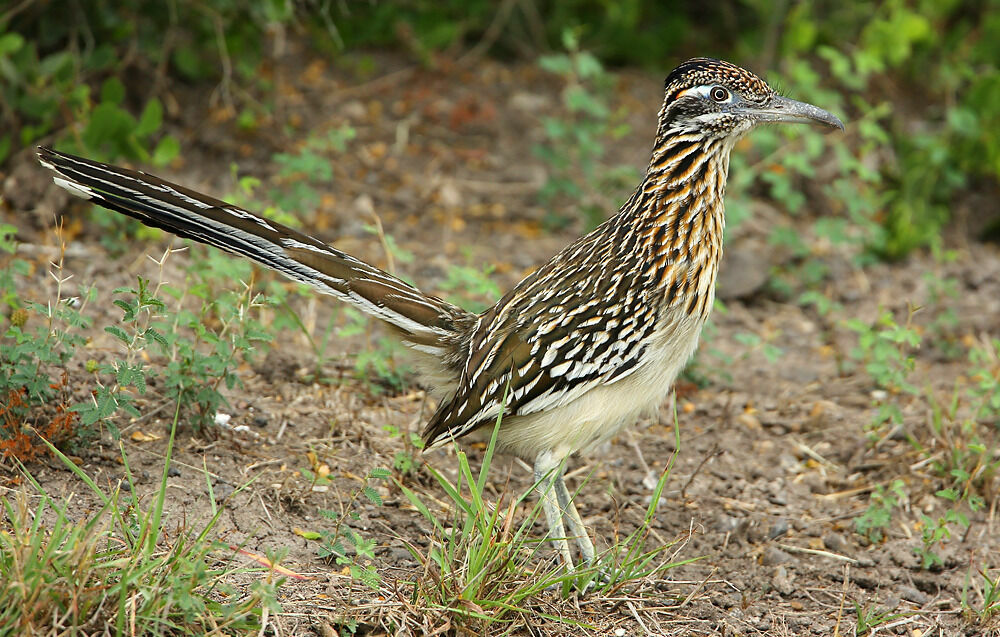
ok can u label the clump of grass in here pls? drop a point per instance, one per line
(486, 571)
(985, 610)
(117, 570)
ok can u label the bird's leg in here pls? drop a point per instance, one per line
(572, 518)
(547, 476)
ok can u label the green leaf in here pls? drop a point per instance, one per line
(112, 91)
(108, 124)
(166, 151)
(372, 496)
(559, 64)
(151, 118)
(10, 43)
(118, 333)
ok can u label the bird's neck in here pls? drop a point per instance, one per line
(681, 220)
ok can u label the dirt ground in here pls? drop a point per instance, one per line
(774, 463)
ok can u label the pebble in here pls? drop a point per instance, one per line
(774, 556)
(173, 472)
(782, 581)
(835, 542)
(619, 632)
(779, 528)
(222, 490)
(911, 594)
(726, 523)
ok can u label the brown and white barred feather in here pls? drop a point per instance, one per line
(426, 323)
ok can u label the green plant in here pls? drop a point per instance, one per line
(870, 617)
(961, 453)
(480, 561)
(33, 358)
(107, 399)
(405, 461)
(874, 522)
(483, 568)
(378, 359)
(755, 342)
(117, 568)
(332, 542)
(49, 75)
(471, 288)
(941, 295)
(937, 530)
(575, 142)
(301, 175)
(885, 349)
(985, 377)
(198, 366)
(989, 593)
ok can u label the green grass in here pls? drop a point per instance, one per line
(487, 568)
(117, 568)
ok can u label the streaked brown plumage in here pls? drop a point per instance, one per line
(573, 352)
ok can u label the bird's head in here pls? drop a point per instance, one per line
(715, 99)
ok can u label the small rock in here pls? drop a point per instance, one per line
(399, 555)
(354, 110)
(815, 482)
(619, 632)
(222, 490)
(774, 556)
(835, 542)
(529, 102)
(911, 594)
(260, 420)
(726, 523)
(865, 561)
(779, 528)
(782, 581)
(449, 195)
(173, 472)
(744, 271)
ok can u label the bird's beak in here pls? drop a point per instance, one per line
(782, 109)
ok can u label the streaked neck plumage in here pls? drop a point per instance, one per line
(679, 214)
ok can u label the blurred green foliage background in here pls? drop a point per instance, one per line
(917, 80)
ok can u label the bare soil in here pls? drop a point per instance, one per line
(774, 464)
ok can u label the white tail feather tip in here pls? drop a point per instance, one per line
(77, 189)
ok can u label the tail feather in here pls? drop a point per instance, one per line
(427, 322)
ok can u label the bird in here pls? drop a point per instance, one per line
(582, 346)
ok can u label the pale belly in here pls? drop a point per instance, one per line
(604, 411)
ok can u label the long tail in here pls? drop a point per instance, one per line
(428, 323)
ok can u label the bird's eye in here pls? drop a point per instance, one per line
(720, 94)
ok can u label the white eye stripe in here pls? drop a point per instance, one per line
(705, 91)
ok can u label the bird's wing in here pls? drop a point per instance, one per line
(550, 340)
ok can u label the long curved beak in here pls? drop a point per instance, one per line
(782, 109)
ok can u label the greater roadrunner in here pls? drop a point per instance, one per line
(579, 348)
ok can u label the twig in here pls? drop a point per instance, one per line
(843, 598)
(715, 451)
(687, 600)
(800, 549)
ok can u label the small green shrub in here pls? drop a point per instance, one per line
(876, 519)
